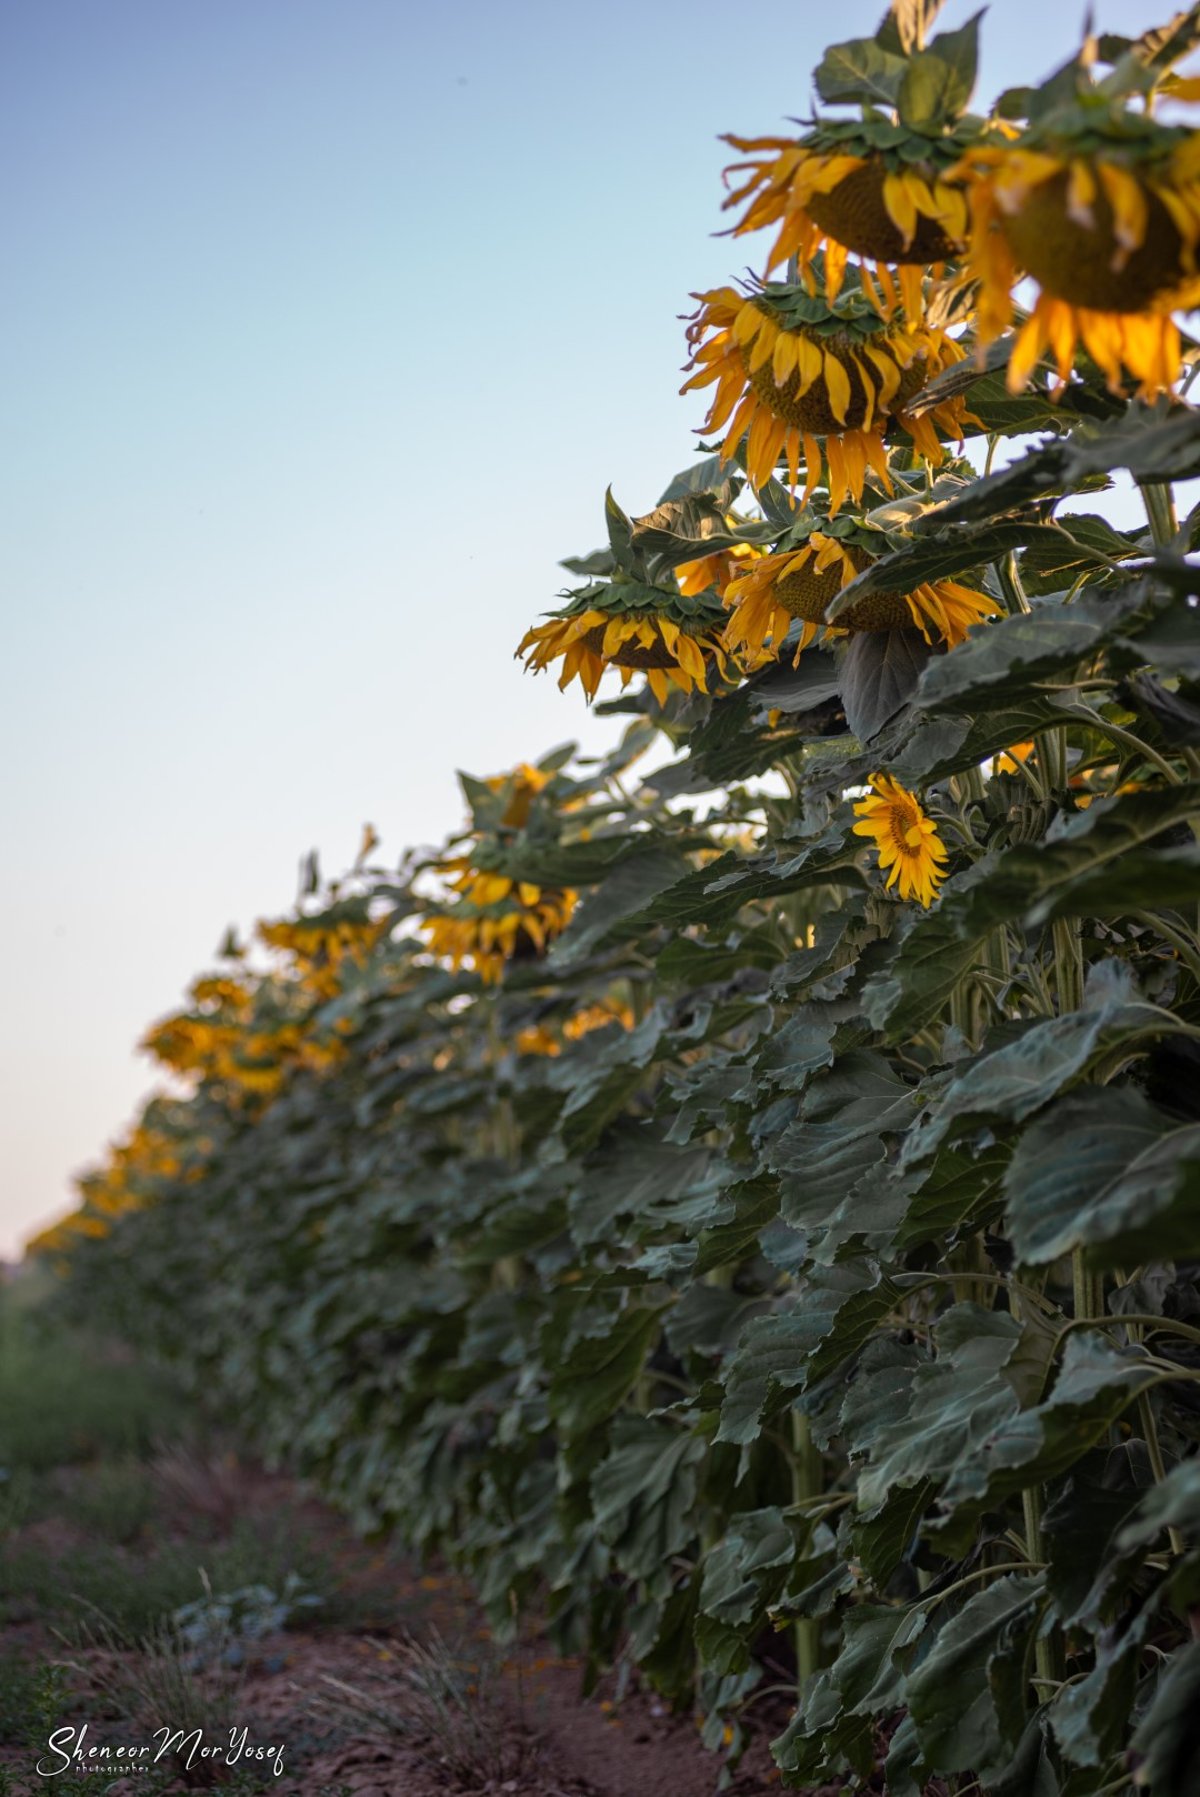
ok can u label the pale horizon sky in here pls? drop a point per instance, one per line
(325, 329)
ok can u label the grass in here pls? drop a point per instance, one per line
(67, 1400)
(115, 1512)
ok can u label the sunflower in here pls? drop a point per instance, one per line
(791, 367)
(520, 788)
(799, 584)
(674, 639)
(715, 570)
(324, 947)
(907, 840)
(883, 208)
(1110, 237)
(496, 919)
(539, 1038)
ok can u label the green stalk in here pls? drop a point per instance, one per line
(1158, 497)
(1154, 1450)
(1046, 1650)
(1011, 589)
(1052, 760)
(1087, 1290)
(1068, 964)
(807, 1483)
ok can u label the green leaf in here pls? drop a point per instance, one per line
(1106, 1171)
(953, 1401)
(1096, 1384)
(599, 1371)
(933, 955)
(878, 1645)
(632, 1171)
(620, 532)
(859, 70)
(708, 475)
(880, 670)
(939, 81)
(960, 1193)
(625, 893)
(1014, 1081)
(744, 1575)
(880, 1541)
(1166, 1743)
(1153, 443)
(781, 1354)
(950, 1694)
(1174, 1503)
(931, 93)
(1012, 657)
(643, 1494)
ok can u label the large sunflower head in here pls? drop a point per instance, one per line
(826, 198)
(910, 849)
(1102, 211)
(794, 369)
(880, 181)
(674, 638)
(799, 584)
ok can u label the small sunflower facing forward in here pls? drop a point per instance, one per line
(910, 849)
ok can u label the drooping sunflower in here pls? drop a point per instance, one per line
(1108, 226)
(884, 207)
(674, 638)
(495, 919)
(323, 947)
(795, 370)
(910, 848)
(800, 584)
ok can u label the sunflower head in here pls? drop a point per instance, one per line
(910, 849)
(803, 582)
(795, 370)
(881, 187)
(1099, 204)
(675, 639)
(489, 917)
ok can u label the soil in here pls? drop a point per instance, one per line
(404, 1696)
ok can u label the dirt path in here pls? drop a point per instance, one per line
(374, 1679)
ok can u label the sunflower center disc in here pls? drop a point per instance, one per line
(1074, 264)
(853, 213)
(811, 411)
(630, 654)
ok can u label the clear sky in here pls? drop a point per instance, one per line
(325, 325)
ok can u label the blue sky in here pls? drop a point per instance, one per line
(325, 327)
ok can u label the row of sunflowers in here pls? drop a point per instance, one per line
(747, 1210)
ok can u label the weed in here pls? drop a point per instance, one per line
(443, 1703)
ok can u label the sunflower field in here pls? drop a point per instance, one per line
(749, 1209)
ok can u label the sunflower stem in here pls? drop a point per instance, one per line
(807, 1484)
(1158, 497)
(1052, 759)
(1154, 1451)
(1068, 964)
(1087, 1290)
(1011, 590)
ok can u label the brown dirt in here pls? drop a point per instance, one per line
(532, 1734)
